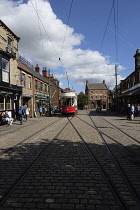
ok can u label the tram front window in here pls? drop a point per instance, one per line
(68, 102)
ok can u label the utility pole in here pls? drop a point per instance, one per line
(116, 90)
(49, 94)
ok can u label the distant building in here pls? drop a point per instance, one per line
(97, 95)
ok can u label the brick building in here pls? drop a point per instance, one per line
(129, 88)
(55, 90)
(97, 95)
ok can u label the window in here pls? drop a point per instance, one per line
(1, 103)
(29, 82)
(96, 96)
(22, 80)
(91, 97)
(100, 91)
(36, 84)
(5, 70)
(9, 45)
(100, 96)
(9, 42)
(104, 96)
(40, 86)
(91, 91)
(7, 103)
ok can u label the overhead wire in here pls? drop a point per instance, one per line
(45, 29)
(116, 30)
(66, 29)
(41, 35)
(104, 32)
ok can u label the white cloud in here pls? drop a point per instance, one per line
(45, 46)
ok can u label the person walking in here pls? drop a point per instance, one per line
(128, 112)
(27, 113)
(132, 112)
(40, 111)
(21, 113)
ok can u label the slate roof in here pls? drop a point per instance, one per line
(96, 86)
(31, 71)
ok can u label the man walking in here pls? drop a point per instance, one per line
(21, 113)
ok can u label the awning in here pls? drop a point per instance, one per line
(134, 92)
(131, 93)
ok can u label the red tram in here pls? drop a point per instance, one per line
(68, 101)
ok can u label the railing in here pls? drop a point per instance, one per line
(24, 61)
(10, 51)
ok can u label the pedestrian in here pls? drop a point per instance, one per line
(132, 112)
(27, 113)
(21, 113)
(128, 111)
(8, 118)
(40, 111)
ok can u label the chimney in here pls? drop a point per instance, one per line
(103, 81)
(44, 72)
(137, 60)
(37, 69)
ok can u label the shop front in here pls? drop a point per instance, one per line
(9, 99)
(41, 102)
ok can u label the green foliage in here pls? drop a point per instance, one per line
(82, 100)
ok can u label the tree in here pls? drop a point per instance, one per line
(82, 100)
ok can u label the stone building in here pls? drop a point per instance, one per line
(129, 88)
(10, 89)
(97, 95)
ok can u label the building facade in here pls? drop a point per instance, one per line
(97, 95)
(129, 88)
(10, 89)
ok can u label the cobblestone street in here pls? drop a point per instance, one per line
(90, 161)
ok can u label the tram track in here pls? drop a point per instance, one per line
(108, 172)
(31, 136)
(130, 151)
(74, 164)
(5, 193)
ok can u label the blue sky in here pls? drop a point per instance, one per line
(81, 55)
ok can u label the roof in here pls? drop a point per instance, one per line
(96, 86)
(2, 23)
(31, 71)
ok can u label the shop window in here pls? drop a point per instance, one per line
(5, 70)
(1, 103)
(7, 103)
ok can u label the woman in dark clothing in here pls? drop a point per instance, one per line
(129, 112)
